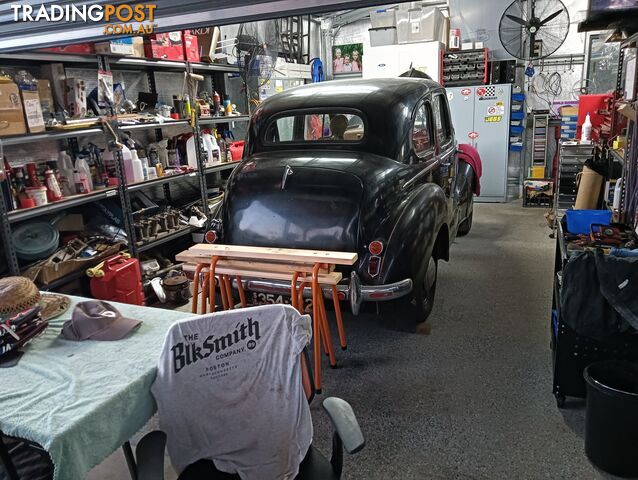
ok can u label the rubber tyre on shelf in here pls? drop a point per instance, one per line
(466, 225)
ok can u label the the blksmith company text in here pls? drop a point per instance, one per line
(192, 349)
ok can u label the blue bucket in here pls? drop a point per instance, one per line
(580, 221)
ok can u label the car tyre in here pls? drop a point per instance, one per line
(410, 313)
(466, 225)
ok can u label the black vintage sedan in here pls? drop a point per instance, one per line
(366, 166)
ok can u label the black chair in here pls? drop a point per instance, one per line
(347, 435)
(149, 464)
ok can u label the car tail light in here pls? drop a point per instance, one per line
(210, 236)
(373, 266)
(375, 248)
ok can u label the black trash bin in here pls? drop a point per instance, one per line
(611, 419)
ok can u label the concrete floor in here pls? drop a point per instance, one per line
(473, 399)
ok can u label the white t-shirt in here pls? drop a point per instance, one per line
(229, 388)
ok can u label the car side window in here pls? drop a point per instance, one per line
(422, 138)
(442, 120)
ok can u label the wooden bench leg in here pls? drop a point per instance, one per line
(337, 305)
(198, 270)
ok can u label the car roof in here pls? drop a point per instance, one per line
(370, 96)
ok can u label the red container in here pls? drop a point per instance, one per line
(595, 105)
(166, 46)
(81, 48)
(191, 46)
(237, 150)
(121, 282)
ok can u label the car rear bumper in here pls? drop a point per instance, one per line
(353, 291)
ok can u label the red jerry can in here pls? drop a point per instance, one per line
(237, 149)
(119, 279)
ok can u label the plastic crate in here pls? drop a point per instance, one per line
(580, 221)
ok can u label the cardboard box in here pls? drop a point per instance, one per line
(120, 46)
(32, 111)
(207, 39)
(138, 47)
(191, 46)
(46, 97)
(76, 97)
(11, 115)
(56, 75)
(165, 46)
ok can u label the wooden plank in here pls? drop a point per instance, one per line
(332, 278)
(278, 254)
(250, 265)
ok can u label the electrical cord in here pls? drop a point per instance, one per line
(547, 87)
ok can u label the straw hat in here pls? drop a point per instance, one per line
(19, 293)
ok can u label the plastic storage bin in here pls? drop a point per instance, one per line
(383, 36)
(580, 221)
(611, 418)
(383, 18)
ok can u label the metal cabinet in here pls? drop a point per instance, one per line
(481, 117)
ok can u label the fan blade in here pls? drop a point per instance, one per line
(551, 17)
(520, 21)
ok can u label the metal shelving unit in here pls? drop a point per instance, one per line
(116, 62)
(48, 136)
(169, 237)
(122, 191)
(25, 214)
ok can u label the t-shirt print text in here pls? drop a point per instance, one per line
(192, 349)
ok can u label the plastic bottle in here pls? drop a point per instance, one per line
(127, 160)
(191, 155)
(212, 149)
(217, 100)
(81, 182)
(617, 194)
(54, 193)
(65, 166)
(138, 169)
(81, 165)
(585, 136)
(144, 162)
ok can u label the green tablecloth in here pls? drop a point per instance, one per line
(82, 400)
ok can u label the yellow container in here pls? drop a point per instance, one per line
(537, 172)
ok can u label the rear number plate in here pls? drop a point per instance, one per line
(273, 298)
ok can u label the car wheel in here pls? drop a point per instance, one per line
(424, 296)
(466, 225)
(409, 313)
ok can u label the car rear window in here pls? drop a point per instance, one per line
(316, 127)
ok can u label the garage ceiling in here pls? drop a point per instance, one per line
(170, 15)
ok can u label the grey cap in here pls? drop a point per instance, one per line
(97, 320)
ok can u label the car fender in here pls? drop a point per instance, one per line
(414, 234)
(464, 187)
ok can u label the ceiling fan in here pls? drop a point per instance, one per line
(532, 29)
